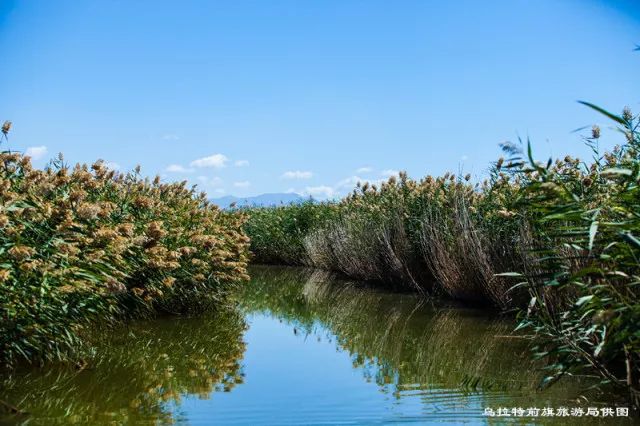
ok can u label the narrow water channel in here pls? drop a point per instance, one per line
(301, 348)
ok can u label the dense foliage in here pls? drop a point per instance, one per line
(559, 241)
(88, 246)
(278, 233)
(438, 235)
(584, 281)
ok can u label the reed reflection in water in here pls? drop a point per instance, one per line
(302, 347)
(455, 360)
(138, 375)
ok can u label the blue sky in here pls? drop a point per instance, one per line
(247, 97)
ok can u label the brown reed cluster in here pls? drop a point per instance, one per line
(557, 241)
(83, 246)
(440, 235)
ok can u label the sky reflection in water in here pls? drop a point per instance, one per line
(316, 351)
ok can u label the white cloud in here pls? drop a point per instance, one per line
(170, 137)
(241, 163)
(219, 191)
(178, 168)
(390, 172)
(297, 174)
(36, 152)
(365, 169)
(112, 165)
(214, 181)
(346, 185)
(243, 184)
(215, 160)
(464, 158)
(321, 191)
(350, 182)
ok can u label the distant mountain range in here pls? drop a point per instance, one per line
(262, 200)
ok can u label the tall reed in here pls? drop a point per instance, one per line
(584, 293)
(87, 246)
(558, 241)
(437, 235)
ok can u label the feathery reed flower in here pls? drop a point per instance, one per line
(6, 127)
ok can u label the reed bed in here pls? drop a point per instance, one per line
(557, 241)
(437, 235)
(83, 247)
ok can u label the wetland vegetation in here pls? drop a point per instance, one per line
(329, 351)
(558, 242)
(87, 247)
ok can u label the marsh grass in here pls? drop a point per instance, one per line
(360, 248)
(557, 241)
(584, 294)
(83, 247)
(437, 236)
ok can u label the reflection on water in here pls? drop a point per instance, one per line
(139, 375)
(456, 361)
(317, 351)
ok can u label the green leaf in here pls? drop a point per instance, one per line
(530, 154)
(520, 284)
(583, 300)
(509, 274)
(532, 303)
(593, 229)
(602, 111)
(600, 346)
(617, 171)
(628, 237)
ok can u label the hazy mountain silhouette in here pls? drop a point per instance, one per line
(261, 200)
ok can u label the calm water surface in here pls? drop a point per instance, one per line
(302, 348)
